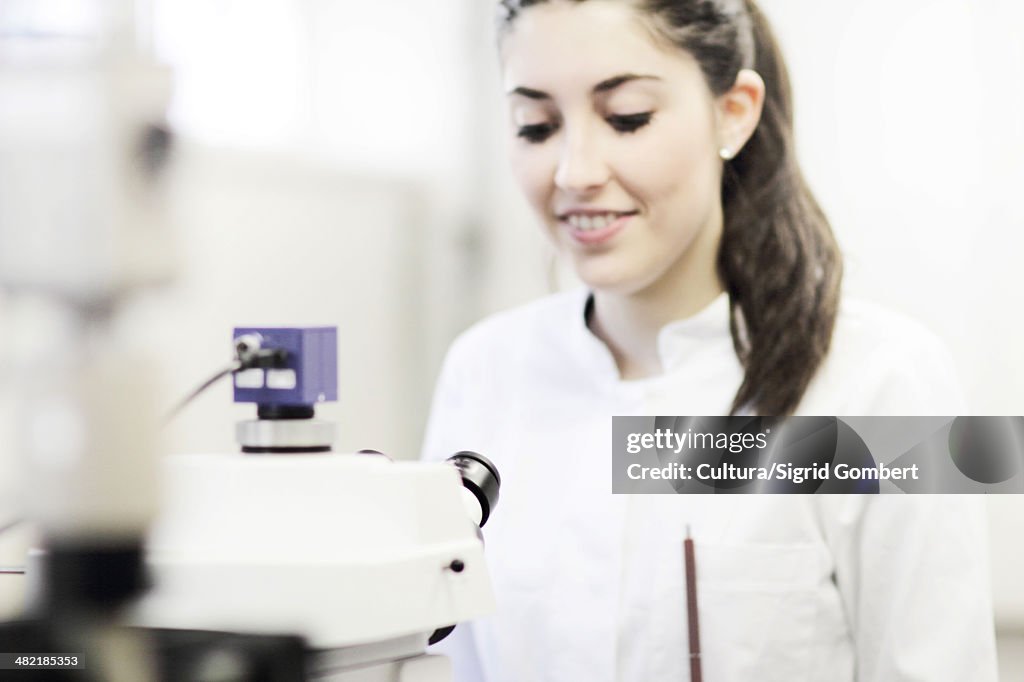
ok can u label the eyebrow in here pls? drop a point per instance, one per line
(604, 86)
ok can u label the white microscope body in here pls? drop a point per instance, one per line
(362, 557)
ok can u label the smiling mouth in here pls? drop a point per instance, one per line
(595, 230)
(590, 222)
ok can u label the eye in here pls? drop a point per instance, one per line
(630, 123)
(537, 132)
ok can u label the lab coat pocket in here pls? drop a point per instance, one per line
(757, 605)
(757, 567)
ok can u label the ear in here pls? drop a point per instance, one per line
(739, 111)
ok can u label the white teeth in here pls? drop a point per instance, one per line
(591, 222)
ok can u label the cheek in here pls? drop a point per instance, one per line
(669, 173)
(534, 173)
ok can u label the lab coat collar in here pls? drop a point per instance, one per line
(677, 340)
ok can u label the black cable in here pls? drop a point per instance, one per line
(248, 354)
(235, 366)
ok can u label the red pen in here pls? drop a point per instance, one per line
(691, 607)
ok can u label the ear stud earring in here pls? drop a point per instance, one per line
(726, 153)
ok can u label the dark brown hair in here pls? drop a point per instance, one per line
(778, 258)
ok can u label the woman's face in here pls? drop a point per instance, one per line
(614, 141)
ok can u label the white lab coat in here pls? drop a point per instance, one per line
(590, 585)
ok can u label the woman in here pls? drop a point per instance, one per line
(654, 140)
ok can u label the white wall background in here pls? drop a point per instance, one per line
(355, 149)
(911, 130)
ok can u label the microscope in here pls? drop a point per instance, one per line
(346, 566)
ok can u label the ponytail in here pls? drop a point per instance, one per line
(778, 258)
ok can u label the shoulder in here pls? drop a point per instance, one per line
(510, 333)
(524, 346)
(875, 327)
(497, 363)
(883, 362)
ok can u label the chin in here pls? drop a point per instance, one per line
(611, 280)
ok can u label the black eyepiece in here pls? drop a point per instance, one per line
(480, 477)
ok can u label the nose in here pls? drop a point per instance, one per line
(581, 167)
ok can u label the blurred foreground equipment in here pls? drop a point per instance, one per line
(283, 562)
(83, 146)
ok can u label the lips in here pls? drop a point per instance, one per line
(595, 226)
